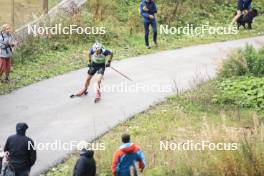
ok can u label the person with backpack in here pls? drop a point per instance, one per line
(21, 151)
(125, 159)
(97, 63)
(86, 165)
(148, 9)
(242, 6)
(7, 42)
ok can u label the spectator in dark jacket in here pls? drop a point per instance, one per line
(22, 154)
(86, 165)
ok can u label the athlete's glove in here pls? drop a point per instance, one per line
(108, 64)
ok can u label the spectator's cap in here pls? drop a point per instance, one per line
(88, 153)
(125, 138)
(21, 128)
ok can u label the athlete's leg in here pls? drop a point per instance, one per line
(99, 79)
(86, 85)
(92, 70)
(88, 80)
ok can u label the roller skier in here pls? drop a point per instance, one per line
(97, 63)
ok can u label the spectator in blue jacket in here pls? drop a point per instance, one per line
(125, 159)
(242, 6)
(148, 9)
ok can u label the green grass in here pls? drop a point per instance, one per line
(247, 61)
(242, 91)
(25, 11)
(189, 116)
(24, 14)
(240, 80)
(38, 52)
(52, 3)
(181, 118)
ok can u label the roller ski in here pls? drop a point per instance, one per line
(80, 94)
(97, 97)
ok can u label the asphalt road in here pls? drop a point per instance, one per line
(53, 116)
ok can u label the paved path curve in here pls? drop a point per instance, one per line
(52, 115)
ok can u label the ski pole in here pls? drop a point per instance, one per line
(121, 74)
(83, 59)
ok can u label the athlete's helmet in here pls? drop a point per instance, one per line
(97, 46)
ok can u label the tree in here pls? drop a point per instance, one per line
(13, 13)
(45, 6)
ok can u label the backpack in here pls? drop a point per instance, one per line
(6, 46)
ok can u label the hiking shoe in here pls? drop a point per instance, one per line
(148, 47)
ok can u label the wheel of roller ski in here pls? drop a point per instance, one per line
(97, 100)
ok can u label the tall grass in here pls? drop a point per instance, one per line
(248, 61)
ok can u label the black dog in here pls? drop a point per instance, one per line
(246, 20)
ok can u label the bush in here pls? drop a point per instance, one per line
(33, 47)
(246, 61)
(243, 92)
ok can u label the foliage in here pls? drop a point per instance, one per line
(101, 9)
(246, 61)
(245, 92)
(124, 34)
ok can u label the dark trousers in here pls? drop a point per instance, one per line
(244, 5)
(153, 23)
(22, 173)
